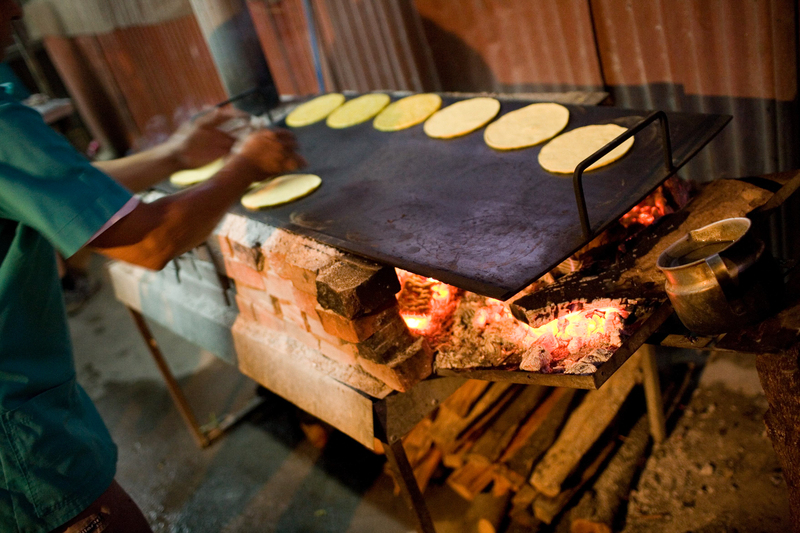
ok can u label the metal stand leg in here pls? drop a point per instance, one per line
(398, 460)
(652, 392)
(201, 436)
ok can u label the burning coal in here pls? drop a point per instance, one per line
(427, 305)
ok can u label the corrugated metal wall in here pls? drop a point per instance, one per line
(512, 46)
(373, 44)
(284, 36)
(134, 86)
(364, 45)
(736, 57)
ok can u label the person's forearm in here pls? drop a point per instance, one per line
(154, 233)
(140, 171)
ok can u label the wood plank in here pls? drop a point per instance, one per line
(537, 435)
(274, 363)
(464, 398)
(404, 411)
(470, 479)
(583, 428)
(597, 509)
(546, 509)
(499, 435)
(448, 426)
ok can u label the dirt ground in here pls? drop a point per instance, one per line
(717, 471)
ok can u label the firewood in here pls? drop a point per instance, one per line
(598, 507)
(490, 510)
(464, 443)
(426, 467)
(583, 428)
(448, 425)
(501, 486)
(498, 436)
(418, 442)
(461, 401)
(521, 512)
(483, 515)
(546, 509)
(470, 480)
(534, 438)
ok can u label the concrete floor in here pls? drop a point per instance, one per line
(264, 476)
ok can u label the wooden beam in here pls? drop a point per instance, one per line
(583, 428)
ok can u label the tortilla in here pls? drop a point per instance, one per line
(407, 112)
(358, 110)
(314, 110)
(185, 178)
(461, 118)
(282, 190)
(565, 152)
(528, 126)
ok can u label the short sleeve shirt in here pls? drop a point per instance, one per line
(56, 454)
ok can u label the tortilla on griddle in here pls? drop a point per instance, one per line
(358, 110)
(407, 112)
(314, 110)
(282, 190)
(461, 118)
(526, 127)
(184, 178)
(565, 152)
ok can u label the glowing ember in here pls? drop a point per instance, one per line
(649, 210)
(426, 304)
(570, 337)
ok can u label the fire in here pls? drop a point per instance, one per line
(571, 333)
(426, 304)
(648, 211)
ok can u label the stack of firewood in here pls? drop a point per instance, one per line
(537, 450)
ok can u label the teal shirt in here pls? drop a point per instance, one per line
(56, 454)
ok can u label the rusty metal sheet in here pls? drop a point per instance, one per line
(512, 46)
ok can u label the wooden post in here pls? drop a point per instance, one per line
(408, 485)
(652, 392)
(172, 384)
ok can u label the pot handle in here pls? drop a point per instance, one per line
(729, 287)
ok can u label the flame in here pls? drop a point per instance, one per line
(417, 322)
(648, 210)
(425, 303)
(571, 333)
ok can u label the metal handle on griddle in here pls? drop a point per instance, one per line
(577, 177)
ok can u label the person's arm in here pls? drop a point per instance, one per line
(153, 233)
(195, 144)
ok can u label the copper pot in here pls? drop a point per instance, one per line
(720, 277)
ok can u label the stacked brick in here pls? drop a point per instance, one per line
(338, 304)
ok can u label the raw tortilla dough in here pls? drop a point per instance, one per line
(358, 110)
(282, 190)
(565, 152)
(527, 126)
(407, 112)
(461, 118)
(184, 178)
(314, 110)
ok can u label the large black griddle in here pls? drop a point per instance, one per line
(458, 211)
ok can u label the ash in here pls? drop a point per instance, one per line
(484, 334)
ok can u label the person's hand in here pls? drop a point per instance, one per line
(200, 142)
(271, 151)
